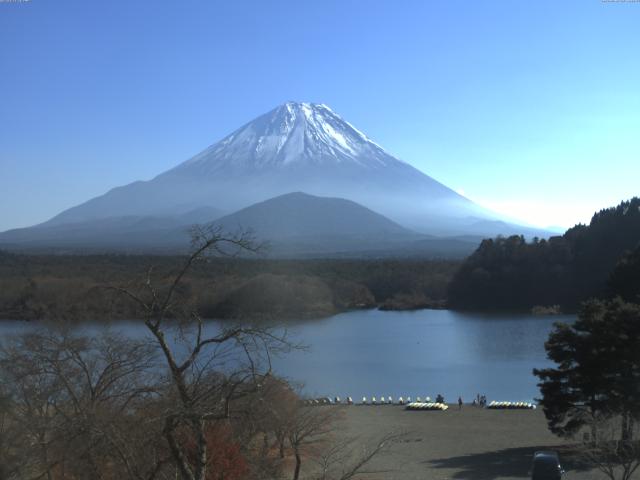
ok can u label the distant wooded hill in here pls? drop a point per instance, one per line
(511, 273)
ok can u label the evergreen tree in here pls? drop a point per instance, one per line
(625, 278)
(598, 369)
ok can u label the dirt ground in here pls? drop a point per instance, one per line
(472, 443)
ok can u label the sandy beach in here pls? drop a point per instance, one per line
(471, 443)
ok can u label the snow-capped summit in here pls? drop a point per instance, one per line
(293, 134)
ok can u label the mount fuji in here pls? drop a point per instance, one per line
(296, 147)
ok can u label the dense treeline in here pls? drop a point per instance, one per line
(72, 286)
(625, 279)
(510, 273)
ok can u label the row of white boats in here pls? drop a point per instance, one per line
(365, 401)
(389, 400)
(418, 404)
(427, 406)
(512, 405)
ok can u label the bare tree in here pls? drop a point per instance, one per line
(75, 403)
(9, 460)
(613, 446)
(308, 429)
(315, 433)
(210, 369)
(343, 460)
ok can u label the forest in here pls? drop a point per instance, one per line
(596, 260)
(78, 287)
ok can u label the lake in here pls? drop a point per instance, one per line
(417, 353)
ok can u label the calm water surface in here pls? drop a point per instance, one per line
(422, 353)
(418, 353)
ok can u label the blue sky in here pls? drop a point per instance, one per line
(531, 108)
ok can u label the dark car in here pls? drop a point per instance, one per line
(546, 466)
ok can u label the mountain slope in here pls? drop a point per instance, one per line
(297, 215)
(128, 233)
(295, 147)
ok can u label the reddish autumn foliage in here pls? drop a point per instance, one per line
(225, 460)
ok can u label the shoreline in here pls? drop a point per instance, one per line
(295, 316)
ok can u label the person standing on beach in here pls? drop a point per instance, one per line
(459, 403)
